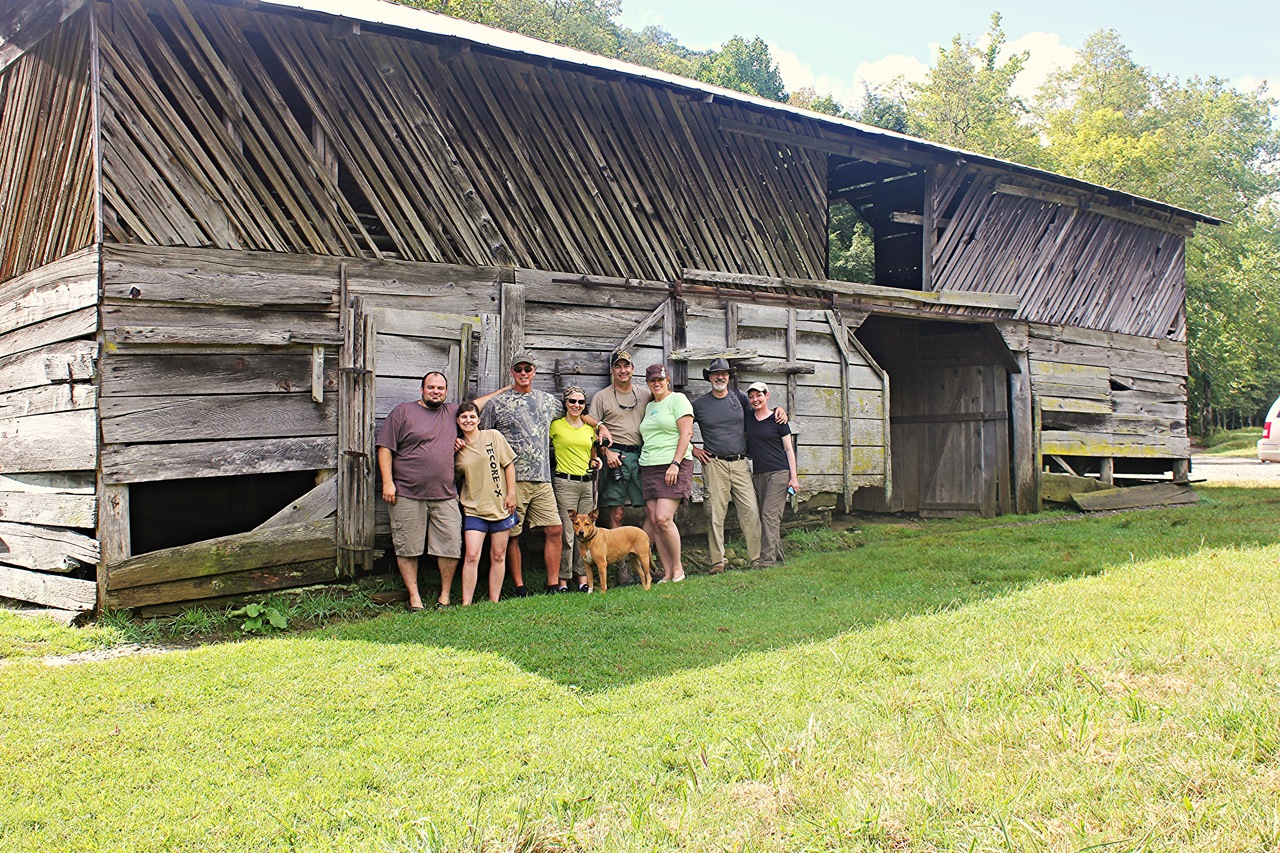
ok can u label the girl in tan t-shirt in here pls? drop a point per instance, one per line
(487, 492)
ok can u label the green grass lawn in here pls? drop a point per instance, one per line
(1233, 442)
(1102, 683)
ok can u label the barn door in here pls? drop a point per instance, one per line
(949, 417)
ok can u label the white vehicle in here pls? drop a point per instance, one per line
(1269, 444)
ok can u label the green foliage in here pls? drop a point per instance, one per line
(808, 98)
(583, 24)
(883, 111)
(259, 618)
(966, 101)
(851, 251)
(746, 66)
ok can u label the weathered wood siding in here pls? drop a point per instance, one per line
(207, 363)
(1109, 395)
(49, 432)
(46, 148)
(248, 129)
(1069, 259)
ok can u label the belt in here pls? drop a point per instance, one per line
(580, 478)
(737, 457)
(624, 448)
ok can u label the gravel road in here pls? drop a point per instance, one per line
(1234, 469)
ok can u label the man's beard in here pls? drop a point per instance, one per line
(430, 405)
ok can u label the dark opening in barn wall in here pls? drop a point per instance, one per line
(948, 416)
(876, 223)
(169, 513)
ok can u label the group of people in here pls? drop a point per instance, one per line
(518, 458)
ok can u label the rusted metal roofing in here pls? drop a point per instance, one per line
(383, 14)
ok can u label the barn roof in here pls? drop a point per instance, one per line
(397, 17)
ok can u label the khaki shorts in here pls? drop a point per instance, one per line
(536, 503)
(439, 523)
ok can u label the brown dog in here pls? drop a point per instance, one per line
(601, 546)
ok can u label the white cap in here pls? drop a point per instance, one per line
(758, 386)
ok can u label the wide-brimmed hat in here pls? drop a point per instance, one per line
(655, 371)
(717, 365)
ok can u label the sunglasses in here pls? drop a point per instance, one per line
(523, 368)
(576, 402)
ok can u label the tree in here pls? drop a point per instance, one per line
(966, 101)
(807, 98)
(746, 66)
(882, 110)
(1201, 145)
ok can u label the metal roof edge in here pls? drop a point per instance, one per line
(382, 13)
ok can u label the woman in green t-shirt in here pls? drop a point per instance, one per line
(666, 466)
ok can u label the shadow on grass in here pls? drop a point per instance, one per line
(833, 583)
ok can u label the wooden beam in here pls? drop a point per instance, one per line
(275, 546)
(653, 318)
(831, 146)
(511, 307)
(1022, 440)
(50, 590)
(52, 509)
(872, 292)
(45, 549)
(137, 463)
(28, 22)
(319, 503)
(1182, 228)
(1132, 497)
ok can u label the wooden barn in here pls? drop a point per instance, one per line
(234, 233)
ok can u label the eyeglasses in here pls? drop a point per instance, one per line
(576, 402)
(523, 368)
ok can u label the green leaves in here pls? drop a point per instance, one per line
(259, 618)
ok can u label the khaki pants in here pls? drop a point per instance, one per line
(727, 481)
(771, 488)
(577, 496)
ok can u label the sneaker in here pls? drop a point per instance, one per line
(717, 569)
(582, 587)
(521, 592)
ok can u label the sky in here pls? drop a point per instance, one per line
(836, 45)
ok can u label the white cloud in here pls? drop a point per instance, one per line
(847, 90)
(1048, 54)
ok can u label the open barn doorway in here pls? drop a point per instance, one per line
(948, 417)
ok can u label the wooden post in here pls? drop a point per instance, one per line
(1107, 470)
(846, 426)
(355, 439)
(512, 314)
(1181, 470)
(674, 339)
(791, 359)
(928, 231)
(114, 540)
(1021, 423)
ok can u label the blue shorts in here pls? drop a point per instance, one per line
(484, 525)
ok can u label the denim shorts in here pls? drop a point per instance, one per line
(484, 525)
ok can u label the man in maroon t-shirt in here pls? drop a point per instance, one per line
(415, 458)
